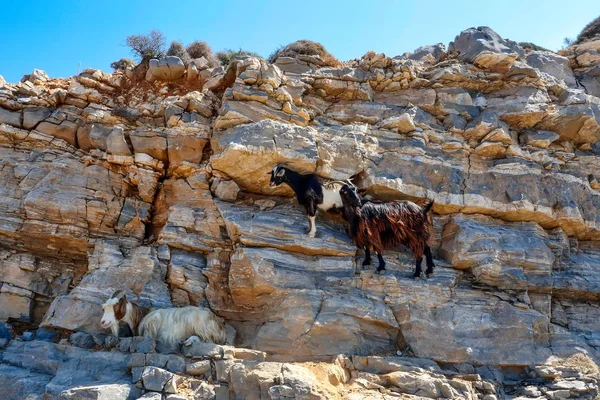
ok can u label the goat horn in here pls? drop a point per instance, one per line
(118, 294)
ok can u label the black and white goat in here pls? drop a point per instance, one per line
(311, 191)
(385, 225)
(168, 325)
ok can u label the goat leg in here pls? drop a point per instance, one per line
(429, 261)
(418, 268)
(381, 268)
(367, 260)
(312, 227)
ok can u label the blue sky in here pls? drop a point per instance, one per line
(58, 35)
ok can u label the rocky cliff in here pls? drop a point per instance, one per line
(160, 186)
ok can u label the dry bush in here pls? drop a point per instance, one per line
(202, 49)
(146, 47)
(178, 50)
(226, 55)
(122, 64)
(532, 46)
(591, 31)
(305, 47)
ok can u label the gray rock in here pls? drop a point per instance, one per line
(552, 64)
(111, 341)
(12, 118)
(167, 68)
(155, 379)
(198, 368)
(172, 363)
(485, 48)
(82, 339)
(435, 50)
(202, 349)
(102, 392)
(5, 331)
(151, 396)
(37, 76)
(541, 139)
(18, 383)
(46, 335)
(34, 115)
(226, 190)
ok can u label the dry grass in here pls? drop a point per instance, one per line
(591, 31)
(581, 362)
(225, 56)
(201, 49)
(532, 46)
(308, 48)
(178, 50)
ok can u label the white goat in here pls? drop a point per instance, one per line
(174, 325)
(168, 325)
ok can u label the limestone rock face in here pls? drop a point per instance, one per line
(486, 49)
(162, 190)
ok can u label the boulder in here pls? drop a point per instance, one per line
(436, 51)
(102, 392)
(486, 49)
(167, 68)
(553, 65)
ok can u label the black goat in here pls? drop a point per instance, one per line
(310, 192)
(385, 225)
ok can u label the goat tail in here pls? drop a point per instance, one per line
(427, 206)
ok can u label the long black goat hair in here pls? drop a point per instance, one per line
(385, 225)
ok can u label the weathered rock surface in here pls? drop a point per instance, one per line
(165, 193)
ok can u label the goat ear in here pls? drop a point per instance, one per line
(281, 172)
(120, 308)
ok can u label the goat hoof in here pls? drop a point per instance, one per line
(366, 264)
(380, 271)
(415, 276)
(428, 274)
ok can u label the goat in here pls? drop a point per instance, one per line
(169, 325)
(385, 225)
(174, 325)
(117, 308)
(310, 191)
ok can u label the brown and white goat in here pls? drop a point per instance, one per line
(385, 225)
(117, 308)
(168, 325)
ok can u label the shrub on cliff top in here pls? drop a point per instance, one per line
(122, 64)
(225, 56)
(178, 50)
(201, 49)
(532, 46)
(147, 46)
(305, 47)
(591, 31)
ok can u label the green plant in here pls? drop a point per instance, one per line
(145, 47)
(568, 41)
(225, 56)
(305, 47)
(590, 31)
